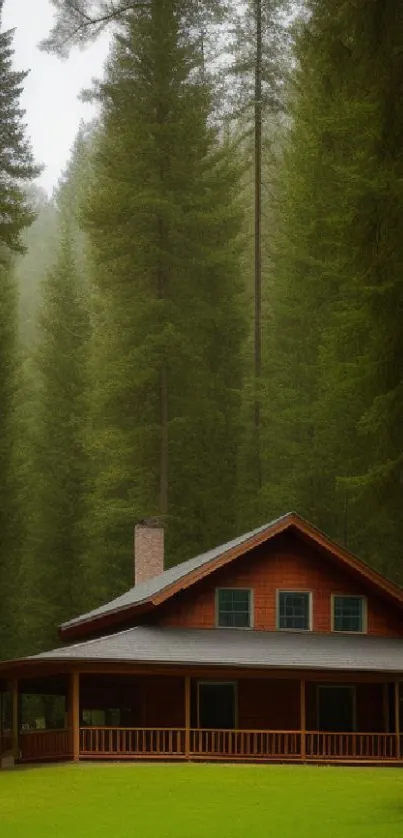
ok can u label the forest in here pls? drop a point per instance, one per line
(203, 323)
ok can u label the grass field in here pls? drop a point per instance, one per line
(201, 801)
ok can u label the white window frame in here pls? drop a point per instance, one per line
(251, 608)
(210, 683)
(310, 611)
(353, 690)
(364, 600)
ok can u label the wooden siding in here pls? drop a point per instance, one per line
(287, 564)
(164, 701)
(268, 705)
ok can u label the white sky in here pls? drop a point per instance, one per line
(53, 110)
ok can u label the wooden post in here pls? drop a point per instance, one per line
(15, 719)
(74, 714)
(302, 704)
(385, 707)
(397, 718)
(143, 701)
(187, 716)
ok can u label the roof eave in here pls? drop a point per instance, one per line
(91, 626)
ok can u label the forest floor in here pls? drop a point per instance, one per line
(200, 801)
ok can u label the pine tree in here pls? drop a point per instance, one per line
(16, 168)
(53, 567)
(40, 242)
(164, 222)
(370, 307)
(310, 282)
(333, 406)
(16, 162)
(261, 66)
(8, 484)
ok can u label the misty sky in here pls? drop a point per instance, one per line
(53, 111)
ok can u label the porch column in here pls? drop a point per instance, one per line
(74, 714)
(187, 716)
(302, 704)
(15, 701)
(397, 718)
(385, 707)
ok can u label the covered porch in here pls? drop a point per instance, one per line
(166, 713)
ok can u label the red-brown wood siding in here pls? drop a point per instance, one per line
(268, 705)
(369, 709)
(287, 564)
(164, 701)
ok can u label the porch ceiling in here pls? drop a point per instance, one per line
(238, 648)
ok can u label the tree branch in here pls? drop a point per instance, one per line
(77, 25)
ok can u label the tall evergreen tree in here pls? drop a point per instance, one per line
(53, 566)
(261, 67)
(310, 280)
(370, 307)
(164, 221)
(40, 242)
(333, 407)
(58, 475)
(16, 168)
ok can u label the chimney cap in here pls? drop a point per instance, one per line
(152, 523)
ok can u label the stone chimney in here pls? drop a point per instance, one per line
(148, 550)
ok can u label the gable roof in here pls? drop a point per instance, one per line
(143, 598)
(145, 645)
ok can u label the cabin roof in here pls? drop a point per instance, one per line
(146, 596)
(231, 647)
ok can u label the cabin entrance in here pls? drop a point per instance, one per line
(336, 709)
(216, 705)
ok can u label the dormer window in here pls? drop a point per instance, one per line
(349, 613)
(294, 610)
(234, 608)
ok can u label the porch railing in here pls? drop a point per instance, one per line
(351, 746)
(38, 745)
(167, 742)
(245, 744)
(179, 743)
(241, 745)
(127, 742)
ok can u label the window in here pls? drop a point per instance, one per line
(233, 608)
(294, 610)
(95, 718)
(348, 613)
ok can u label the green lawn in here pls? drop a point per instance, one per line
(201, 801)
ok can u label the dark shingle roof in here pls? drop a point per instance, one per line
(226, 647)
(144, 592)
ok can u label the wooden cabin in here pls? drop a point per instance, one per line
(277, 646)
